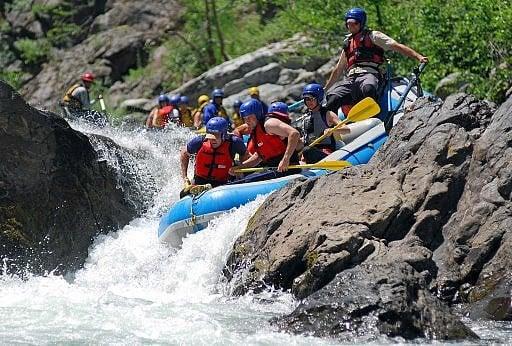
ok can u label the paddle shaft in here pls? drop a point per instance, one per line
(328, 133)
(329, 165)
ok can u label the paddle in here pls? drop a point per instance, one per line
(329, 165)
(364, 109)
(295, 105)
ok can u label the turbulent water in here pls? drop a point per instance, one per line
(134, 290)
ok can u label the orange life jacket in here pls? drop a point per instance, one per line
(214, 163)
(162, 116)
(360, 49)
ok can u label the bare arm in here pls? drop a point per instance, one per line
(338, 70)
(407, 51)
(184, 159)
(197, 119)
(277, 127)
(333, 120)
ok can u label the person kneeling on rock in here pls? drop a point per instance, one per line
(215, 155)
(318, 121)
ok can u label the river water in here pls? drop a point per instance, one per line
(134, 290)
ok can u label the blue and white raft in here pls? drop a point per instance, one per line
(192, 214)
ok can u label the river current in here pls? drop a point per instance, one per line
(134, 290)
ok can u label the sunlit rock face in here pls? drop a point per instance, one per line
(436, 197)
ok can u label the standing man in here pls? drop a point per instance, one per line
(359, 62)
(76, 99)
(273, 140)
(215, 154)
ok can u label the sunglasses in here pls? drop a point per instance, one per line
(307, 98)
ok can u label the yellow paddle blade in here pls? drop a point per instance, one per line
(364, 109)
(329, 165)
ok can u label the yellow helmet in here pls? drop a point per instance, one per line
(202, 99)
(254, 91)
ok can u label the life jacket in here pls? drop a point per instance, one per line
(223, 113)
(162, 116)
(69, 100)
(359, 49)
(267, 146)
(315, 127)
(186, 118)
(214, 163)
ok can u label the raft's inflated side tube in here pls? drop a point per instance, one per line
(190, 215)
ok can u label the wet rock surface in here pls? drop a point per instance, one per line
(436, 197)
(55, 195)
(373, 299)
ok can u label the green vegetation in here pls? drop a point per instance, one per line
(468, 36)
(12, 78)
(63, 30)
(198, 45)
(33, 51)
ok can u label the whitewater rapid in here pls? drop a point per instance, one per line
(134, 290)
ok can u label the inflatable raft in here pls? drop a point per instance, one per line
(192, 214)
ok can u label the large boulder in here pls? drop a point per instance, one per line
(375, 299)
(55, 195)
(436, 196)
(279, 69)
(117, 42)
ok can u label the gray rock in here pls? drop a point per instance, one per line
(119, 42)
(55, 196)
(436, 197)
(362, 303)
(451, 84)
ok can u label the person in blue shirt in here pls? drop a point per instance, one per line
(215, 108)
(215, 155)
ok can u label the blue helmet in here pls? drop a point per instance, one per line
(217, 125)
(163, 99)
(237, 104)
(315, 90)
(184, 100)
(252, 106)
(174, 100)
(358, 14)
(278, 108)
(217, 93)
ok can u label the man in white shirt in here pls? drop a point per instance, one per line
(359, 62)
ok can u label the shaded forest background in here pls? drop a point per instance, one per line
(472, 37)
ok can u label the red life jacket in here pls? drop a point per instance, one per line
(359, 49)
(163, 115)
(214, 163)
(266, 145)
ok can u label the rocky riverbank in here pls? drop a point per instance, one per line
(388, 247)
(55, 195)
